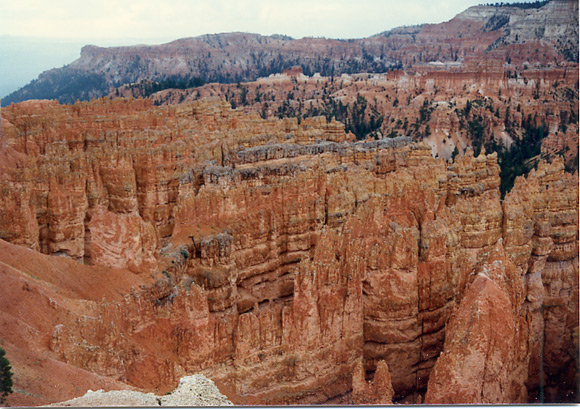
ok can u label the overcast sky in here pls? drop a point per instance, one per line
(165, 20)
(37, 35)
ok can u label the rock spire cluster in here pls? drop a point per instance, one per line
(281, 259)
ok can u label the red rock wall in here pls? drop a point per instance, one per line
(276, 264)
(503, 98)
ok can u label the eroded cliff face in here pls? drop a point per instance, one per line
(482, 103)
(485, 355)
(547, 240)
(281, 259)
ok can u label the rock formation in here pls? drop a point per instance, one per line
(517, 35)
(276, 257)
(495, 106)
(379, 392)
(194, 390)
(485, 356)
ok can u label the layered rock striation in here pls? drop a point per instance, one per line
(520, 113)
(283, 260)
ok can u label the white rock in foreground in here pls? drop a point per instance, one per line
(195, 390)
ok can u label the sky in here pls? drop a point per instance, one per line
(166, 20)
(36, 35)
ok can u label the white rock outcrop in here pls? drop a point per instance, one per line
(195, 390)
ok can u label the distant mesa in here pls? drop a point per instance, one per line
(517, 34)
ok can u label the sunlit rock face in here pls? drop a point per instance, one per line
(485, 355)
(283, 260)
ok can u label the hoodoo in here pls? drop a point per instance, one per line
(384, 220)
(209, 240)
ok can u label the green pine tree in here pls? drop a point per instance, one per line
(454, 153)
(5, 377)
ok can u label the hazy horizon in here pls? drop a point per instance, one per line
(35, 38)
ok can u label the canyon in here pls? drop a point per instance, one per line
(283, 259)
(374, 221)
